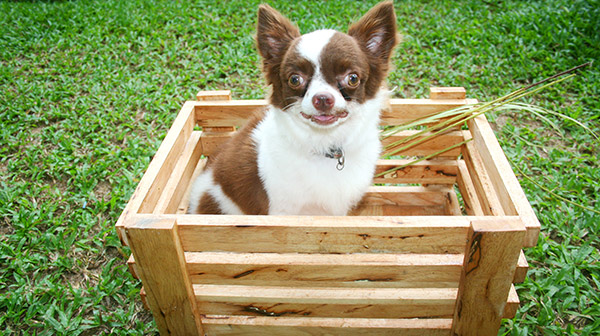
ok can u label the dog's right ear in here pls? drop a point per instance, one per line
(274, 34)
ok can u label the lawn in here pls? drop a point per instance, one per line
(89, 88)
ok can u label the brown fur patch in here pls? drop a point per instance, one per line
(235, 170)
(208, 206)
(274, 35)
(341, 56)
(376, 34)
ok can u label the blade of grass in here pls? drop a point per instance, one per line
(427, 157)
(550, 192)
(465, 116)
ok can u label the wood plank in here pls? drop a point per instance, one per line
(468, 191)
(522, 268)
(175, 142)
(131, 266)
(325, 270)
(185, 200)
(302, 326)
(214, 95)
(180, 177)
(431, 146)
(452, 204)
(316, 234)
(404, 201)
(211, 141)
(512, 304)
(406, 110)
(486, 193)
(148, 190)
(503, 178)
(144, 299)
(168, 288)
(236, 112)
(326, 302)
(447, 93)
(406, 196)
(490, 261)
(366, 209)
(425, 172)
(226, 113)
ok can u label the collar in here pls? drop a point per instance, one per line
(336, 153)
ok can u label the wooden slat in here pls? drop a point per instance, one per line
(144, 298)
(214, 95)
(425, 172)
(365, 209)
(150, 187)
(159, 261)
(180, 177)
(522, 268)
(325, 270)
(212, 140)
(226, 113)
(405, 201)
(512, 304)
(302, 326)
(481, 180)
(326, 302)
(236, 112)
(131, 266)
(308, 234)
(175, 142)
(467, 191)
(452, 204)
(431, 146)
(185, 200)
(507, 186)
(447, 93)
(407, 110)
(490, 261)
(406, 196)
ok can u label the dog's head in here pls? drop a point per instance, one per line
(325, 76)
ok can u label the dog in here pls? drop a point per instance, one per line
(313, 149)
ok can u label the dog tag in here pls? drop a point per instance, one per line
(338, 154)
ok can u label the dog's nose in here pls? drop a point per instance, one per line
(323, 101)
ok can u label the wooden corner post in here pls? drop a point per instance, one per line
(160, 263)
(491, 257)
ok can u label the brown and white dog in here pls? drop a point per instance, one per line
(313, 150)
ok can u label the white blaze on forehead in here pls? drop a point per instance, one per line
(311, 48)
(311, 45)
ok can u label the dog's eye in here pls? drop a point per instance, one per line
(295, 81)
(352, 80)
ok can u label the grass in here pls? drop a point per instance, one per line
(89, 88)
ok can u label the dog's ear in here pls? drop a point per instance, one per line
(376, 31)
(274, 33)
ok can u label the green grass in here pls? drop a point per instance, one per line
(89, 88)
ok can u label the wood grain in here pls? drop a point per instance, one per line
(490, 261)
(325, 270)
(149, 189)
(313, 326)
(308, 234)
(160, 263)
(326, 302)
(505, 182)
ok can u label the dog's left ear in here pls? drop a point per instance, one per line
(376, 31)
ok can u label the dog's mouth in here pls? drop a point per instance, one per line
(325, 119)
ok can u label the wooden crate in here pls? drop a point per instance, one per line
(435, 251)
